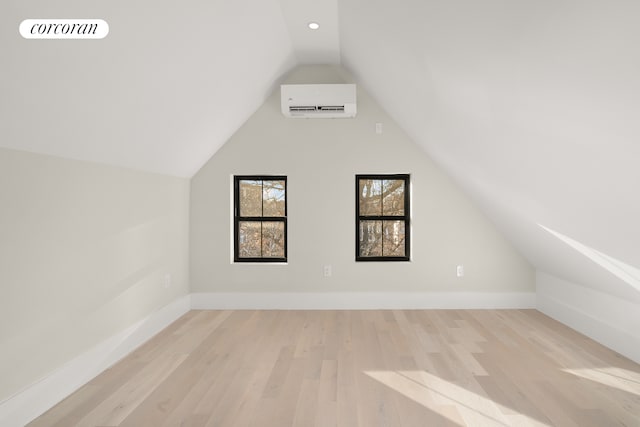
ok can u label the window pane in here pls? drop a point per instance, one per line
(273, 198)
(273, 239)
(370, 194)
(370, 238)
(393, 238)
(393, 197)
(249, 239)
(250, 198)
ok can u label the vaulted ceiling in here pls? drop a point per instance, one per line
(533, 107)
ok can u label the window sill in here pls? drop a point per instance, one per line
(258, 263)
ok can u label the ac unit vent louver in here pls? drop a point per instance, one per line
(315, 108)
(319, 101)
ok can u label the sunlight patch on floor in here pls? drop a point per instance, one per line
(618, 378)
(437, 395)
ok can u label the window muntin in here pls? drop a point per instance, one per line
(260, 218)
(382, 217)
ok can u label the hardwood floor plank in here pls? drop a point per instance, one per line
(361, 368)
(346, 393)
(114, 409)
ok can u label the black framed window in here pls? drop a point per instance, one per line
(382, 217)
(260, 218)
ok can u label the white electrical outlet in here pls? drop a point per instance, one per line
(460, 270)
(379, 128)
(326, 271)
(166, 281)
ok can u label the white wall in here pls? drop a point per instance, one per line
(84, 249)
(321, 158)
(610, 320)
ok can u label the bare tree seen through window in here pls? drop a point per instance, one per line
(260, 218)
(382, 217)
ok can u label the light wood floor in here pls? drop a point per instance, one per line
(361, 368)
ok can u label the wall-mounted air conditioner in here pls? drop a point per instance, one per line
(318, 101)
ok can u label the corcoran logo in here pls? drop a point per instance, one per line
(64, 28)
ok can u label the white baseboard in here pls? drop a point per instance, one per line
(361, 300)
(36, 399)
(604, 318)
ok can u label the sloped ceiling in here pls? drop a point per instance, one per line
(162, 92)
(531, 106)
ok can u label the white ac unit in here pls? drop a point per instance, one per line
(318, 101)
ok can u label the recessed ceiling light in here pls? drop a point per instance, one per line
(314, 25)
